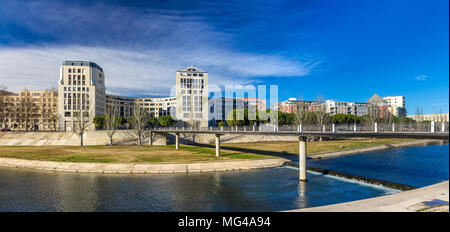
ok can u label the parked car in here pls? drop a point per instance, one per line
(6, 129)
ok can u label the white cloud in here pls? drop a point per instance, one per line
(423, 77)
(147, 72)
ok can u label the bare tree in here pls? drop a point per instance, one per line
(3, 105)
(192, 136)
(372, 113)
(321, 108)
(419, 112)
(28, 109)
(111, 122)
(139, 120)
(82, 116)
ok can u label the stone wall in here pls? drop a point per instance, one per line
(122, 137)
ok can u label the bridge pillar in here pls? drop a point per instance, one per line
(302, 158)
(443, 126)
(217, 145)
(150, 138)
(177, 141)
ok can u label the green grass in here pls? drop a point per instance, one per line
(186, 153)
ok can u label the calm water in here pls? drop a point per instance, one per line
(258, 190)
(417, 166)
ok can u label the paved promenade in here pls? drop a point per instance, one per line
(433, 198)
(143, 168)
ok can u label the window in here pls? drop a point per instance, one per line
(70, 70)
(67, 114)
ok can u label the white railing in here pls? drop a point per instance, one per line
(432, 127)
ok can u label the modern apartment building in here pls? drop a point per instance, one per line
(396, 105)
(81, 89)
(29, 110)
(192, 96)
(256, 104)
(124, 105)
(431, 117)
(219, 108)
(359, 108)
(292, 105)
(338, 107)
(157, 107)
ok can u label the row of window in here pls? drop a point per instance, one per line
(192, 74)
(191, 91)
(76, 89)
(74, 70)
(192, 83)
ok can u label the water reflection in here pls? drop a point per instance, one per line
(256, 190)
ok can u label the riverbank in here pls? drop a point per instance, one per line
(123, 168)
(166, 159)
(433, 198)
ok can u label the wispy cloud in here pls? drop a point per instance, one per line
(140, 48)
(150, 72)
(423, 77)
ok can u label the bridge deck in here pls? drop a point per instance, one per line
(357, 134)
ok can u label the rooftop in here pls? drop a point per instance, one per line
(81, 63)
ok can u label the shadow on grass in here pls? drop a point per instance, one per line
(201, 148)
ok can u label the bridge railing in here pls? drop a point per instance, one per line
(336, 128)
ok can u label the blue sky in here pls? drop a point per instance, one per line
(343, 50)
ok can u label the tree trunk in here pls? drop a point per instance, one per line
(110, 141)
(81, 139)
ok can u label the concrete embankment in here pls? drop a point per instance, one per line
(433, 198)
(121, 137)
(143, 168)
(375, 148)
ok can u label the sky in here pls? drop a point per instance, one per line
(343, 50)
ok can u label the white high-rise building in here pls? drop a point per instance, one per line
(397, 105)
(192, 96)
(81, 86)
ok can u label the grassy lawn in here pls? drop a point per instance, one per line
(186, 153)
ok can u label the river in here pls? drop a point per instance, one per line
(271, 189)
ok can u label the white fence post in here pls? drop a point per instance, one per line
(253, 127)
(393, 127)
(354, 127)
(300, 128)
(432, 126)
(332, 128)
(375, 127)
(323, 128)
(443, 126)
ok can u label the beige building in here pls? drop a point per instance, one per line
(124, 105)
(29, 110)
(431, 117)
(81, 88)
(157, 107)
(192, 96)
(257, 104)
(396, 105)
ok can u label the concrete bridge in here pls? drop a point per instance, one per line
(431, 130)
